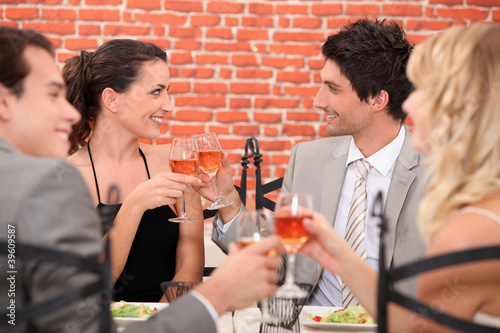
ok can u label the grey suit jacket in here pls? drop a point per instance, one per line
(48, 204)
(319, 168)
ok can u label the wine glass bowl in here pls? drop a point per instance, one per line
(210, 156)
(184, 159)
(291, 210)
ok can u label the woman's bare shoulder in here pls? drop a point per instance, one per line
(157, 156)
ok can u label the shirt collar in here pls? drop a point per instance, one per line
(384, 159)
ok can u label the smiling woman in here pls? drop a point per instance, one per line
(121, 93)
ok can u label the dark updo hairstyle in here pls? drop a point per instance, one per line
(115, 64)
(13, 66)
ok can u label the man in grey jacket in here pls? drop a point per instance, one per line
(45, 203)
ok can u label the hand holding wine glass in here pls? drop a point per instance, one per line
(184, 159)
(291, 210)
(210, 161)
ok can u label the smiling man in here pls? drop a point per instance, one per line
(363, 86)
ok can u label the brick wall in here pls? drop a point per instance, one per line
(239, 68)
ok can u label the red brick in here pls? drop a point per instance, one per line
(210, 88)
(326, 10)
(244, 60)
(184, 6)
(232, 21)
(193, 115)
(362, 10)
(179, 87)
(186, 129)
(205, 20)
(267, 117)
(187, 44)
(89, 29)
(232, 143)
(169, 19)
(63, 56)
(317, 77)
(257, 22)
(159, 31)
(117, 30)
(225, 7)
(282, 62)
(201, 100)
(57, 42)
(284, 22)
(260, 9)
(161, 43)
(485, 3)
(11, 2)
(298, 130)
(184, 32)
(58, 14)
(261, 48)
(225, 73)
(270, 131)
(307, 103)
(247, 130)
(274, 145)
(222, 33)
(303, 116)
(231, 117)
(246, 88)
(307, 22)
(283, 103)
(294, 77)
(495, 15)
(277, 91)
(80, 43)
(428, 25)
(316, 63)
(254, 34)
(301, 49)
(336, 22)
(472, 14)
(21, 13)
(146, 141)
(141, 4)
(254, 74)
(402, 10)
(447, 2)
(99, 15)
(58, 28)
(285, 36)
(199, 73)
(228, 47)
(204, 59)
(47, 2)
(103, 2)
(223, 130)
(239, 103)
(178, 58)
(417, 39)
(281, 159)
(302, 91)
(292, 9)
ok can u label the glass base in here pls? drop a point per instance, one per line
(291, 291)
(181, 219)
(221, 203)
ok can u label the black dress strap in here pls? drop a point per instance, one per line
(95, 176)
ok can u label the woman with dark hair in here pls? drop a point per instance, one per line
(121, 91)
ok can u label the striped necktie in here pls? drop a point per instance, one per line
(355, 228)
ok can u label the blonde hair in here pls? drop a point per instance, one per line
(458, 72)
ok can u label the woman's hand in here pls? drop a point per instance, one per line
(163, 189)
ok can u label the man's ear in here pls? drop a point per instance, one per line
(5, 110)
(110, 99)
(380, 101)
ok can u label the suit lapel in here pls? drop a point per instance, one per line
(334, 174)
(402, 179)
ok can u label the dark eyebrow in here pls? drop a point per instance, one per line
(330, 83)
(57, 85)
(162, 86)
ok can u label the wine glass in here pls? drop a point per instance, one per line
(210, 162)
(291, 210)
(184, 159)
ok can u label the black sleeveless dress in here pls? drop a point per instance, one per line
(152, 256)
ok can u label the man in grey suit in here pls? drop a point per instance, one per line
(44, 202)
(363, 86)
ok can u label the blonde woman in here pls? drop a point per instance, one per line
(456, 111)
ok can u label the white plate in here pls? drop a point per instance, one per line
(124, 321)
(333, 327)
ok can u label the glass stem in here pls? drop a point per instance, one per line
(216, 190)
(290, 269)
(183, 206)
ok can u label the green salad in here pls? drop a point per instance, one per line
(350, 315)
(125, 309)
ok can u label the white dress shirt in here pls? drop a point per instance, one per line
(329, 289)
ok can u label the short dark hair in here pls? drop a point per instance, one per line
(13, 66)
(373, 55)
(115, 64)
